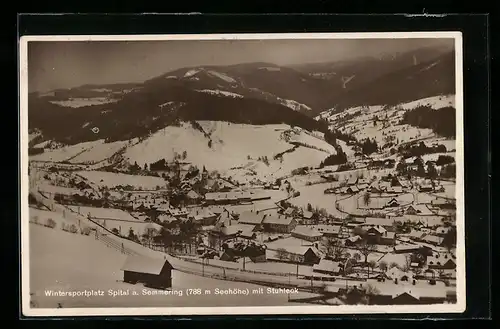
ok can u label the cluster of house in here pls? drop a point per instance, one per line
(394, 185)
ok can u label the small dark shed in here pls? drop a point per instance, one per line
(153, 272)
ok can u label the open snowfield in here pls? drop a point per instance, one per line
(450, 144)
(363, 125)
(312, 141)
(220, 93)
(435, 102)
(435, 156)
(65, 261)
(115, 219)
(314, 194)
(221, 76)
(348, 150)
(81, 102)
(111, 180)
(41, 216)
(64, 153)
(100, 151)
(231, 144)
(377, 202)
(450, 190)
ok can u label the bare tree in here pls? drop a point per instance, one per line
(393, 264)
(335, 248)
(367, 199)
(356, 257)
(407, 263)
(383, 266)
(281, 253)
(367, 249)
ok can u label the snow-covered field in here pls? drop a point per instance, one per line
(43, 215)
(81, 102)
(100, 151)
(220, 93)
(450, 190)
(110, 180)
(435, 156)
(387, 127)
(294, 105)
(314, 194)
(435, 102)
(312, 141)
(64, 153)
(65, 261)
(222, 76)
(232, 146)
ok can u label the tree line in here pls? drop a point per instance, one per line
(441, 121)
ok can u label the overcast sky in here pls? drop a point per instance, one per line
(64, 64)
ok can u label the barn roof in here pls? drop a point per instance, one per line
(143, 264)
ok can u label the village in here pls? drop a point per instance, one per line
(379, 233)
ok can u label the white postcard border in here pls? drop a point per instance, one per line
(458, 307)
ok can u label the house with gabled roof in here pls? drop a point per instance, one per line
(433, 239)
(418, 209)
(353, 240)
(445, 262)
(279, 223)
(153, 272)
(352, 180)
(327, 266)
(193, 197)
(392, 203)
(251, 217)
(352, 189)
(306, 233)
(376, 234)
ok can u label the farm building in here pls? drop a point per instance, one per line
(406, 248)
(378, 235)
(387, 223)
(353, 240)
(419, 209)
(352, 189)
(442, 230)
(294, 254)
(227, 197)
(392, 203)
(394, 189)
(433, 239)
(445, 262)
(352, 180)
(289, 212)
(279, 223)
(326, 266)
(306, 233)
(425, 187)
(328, 230)
(203, 217)
(153, 272)
(362, 186)
(251, 217)
(193, 197)
(309, 216)
(443, 203)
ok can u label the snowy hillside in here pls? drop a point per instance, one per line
(383, 123)
(220, 93)
(222, 146)
(82, 102)
(66, 261)
(83, 153)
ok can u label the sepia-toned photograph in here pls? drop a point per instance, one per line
(242, 174)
